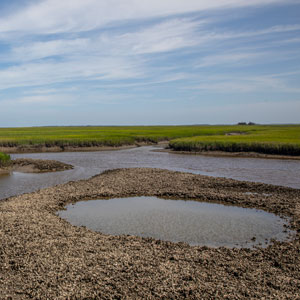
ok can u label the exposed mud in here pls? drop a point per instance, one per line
(27, 165)
(43, 149)
(53, 149)
(232, 154)
(236, 133)
(44, 257)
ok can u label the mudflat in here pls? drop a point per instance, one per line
(43, 256)
(53, 149)
(232, 154)
(28, 165)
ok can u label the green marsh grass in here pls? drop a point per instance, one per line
(273, 139)
(4, 159)
(102, 136)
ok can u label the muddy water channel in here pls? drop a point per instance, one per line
(87, 164)
(196, 223)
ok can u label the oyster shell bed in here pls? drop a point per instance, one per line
(45, 257)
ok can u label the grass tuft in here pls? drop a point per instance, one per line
(4, 159)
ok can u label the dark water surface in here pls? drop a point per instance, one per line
(87, 164)
(196, 223)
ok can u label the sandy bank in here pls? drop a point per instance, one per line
(43, 256)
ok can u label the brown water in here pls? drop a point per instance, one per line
(196, 223)
(87, 164)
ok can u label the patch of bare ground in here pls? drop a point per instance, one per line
(231, 154)
(28, 165)
(42, 149)
(235, 133)
(45, 257)
(3, 171)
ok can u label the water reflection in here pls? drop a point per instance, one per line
(195, 223)
(87, 164)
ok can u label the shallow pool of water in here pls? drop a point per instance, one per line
(196, 223)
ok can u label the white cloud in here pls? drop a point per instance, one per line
(137, 51)
(227, 35)
(49, 91)
(161, 37)
(53, 99)
(166, 36)
(43, 73)
(244, 57)
(230, 58)
(54, 16)
(244, 84)
(148, 82)
(276, 29)
(97, 57)
(39, 50)
(38, 99)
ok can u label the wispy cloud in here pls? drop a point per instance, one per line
(230, 59)
(55, 16)
(39, 50)
(116, 56)
(161, 37)
(128, 52)
(99, 57)
(41, 100)
(92, 68)
(167, 36)
(270, 30)
(244, 84)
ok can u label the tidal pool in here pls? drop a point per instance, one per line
(193, 222)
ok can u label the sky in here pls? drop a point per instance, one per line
(141, 62)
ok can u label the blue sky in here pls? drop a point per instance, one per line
(141, 62)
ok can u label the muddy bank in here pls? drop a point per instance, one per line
(53, 149)
(232, 154)
(43, 256)
(35, 166)
(38, 149)
(236, 133)
(42, 149)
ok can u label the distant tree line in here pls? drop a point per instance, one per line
(245, 123)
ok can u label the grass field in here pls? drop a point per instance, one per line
(108, 136)
(275, 139)
(4, 159)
